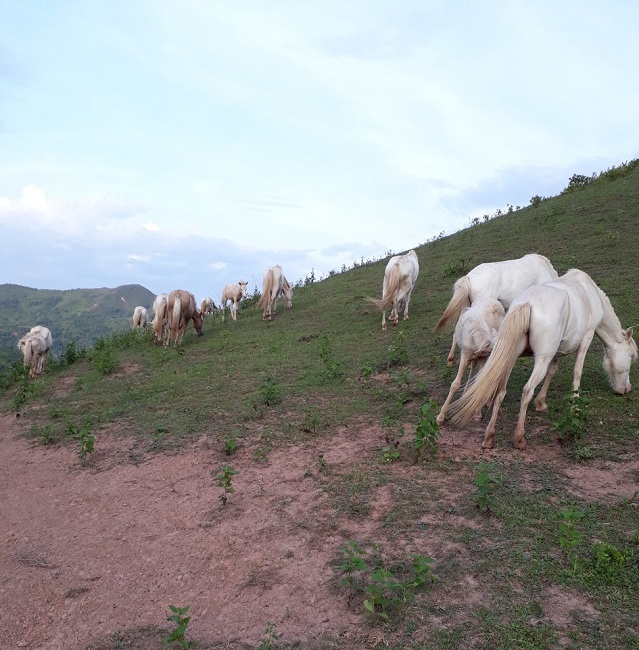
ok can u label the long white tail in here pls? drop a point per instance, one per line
(488, 382)
(460, 299)
(267, 288)
(176, 317)
(392, 287)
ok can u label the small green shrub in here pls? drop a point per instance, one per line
(427, 431)
(332, 367)
(269, 638)
(569, 536)
(270, 393)
(483, 496)
(104, 357)
(224, 481)
(85, 440)
(177, 636)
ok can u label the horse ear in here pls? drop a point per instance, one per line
(628, 333)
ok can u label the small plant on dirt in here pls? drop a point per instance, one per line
(569, 536)
(353, 559)
(26, 388)
(260, 455)
(176, 638)
(269, 638)
(397, 353)
(426, 432)
(367, 371)
(385, 589)
(270, 393)
(332, 367)
(45, 435)
(391, 452)
(312, 420)
(224, 481)
(571, 425)
(230, 444)
(483, 496)
(321, 461)
(84, 438)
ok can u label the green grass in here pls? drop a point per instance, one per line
(215, 386)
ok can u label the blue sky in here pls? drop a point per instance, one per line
(190, 144)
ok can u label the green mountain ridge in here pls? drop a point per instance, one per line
(80, 315)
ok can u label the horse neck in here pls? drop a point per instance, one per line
(609, 330)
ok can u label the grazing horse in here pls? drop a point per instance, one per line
(140, 317)
(274, 287)
(234, 293)
(181, 308)
(475, 334)
(208, 307)
(160, 321)
(399, 278)
(549, 321)
(500, 280)
(34, 346)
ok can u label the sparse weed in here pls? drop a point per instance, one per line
(332, 367)
(25, 389)
(269, 638)
(224, 481)
(312, 420)
(103, 356)
(483, 496)
(569, 536)
(427, 431)
(177, 636)
(397, 353)
(46, 434)
(270, 393)
(571, 425)
(84, 438)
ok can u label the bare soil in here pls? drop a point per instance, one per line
(92, 549)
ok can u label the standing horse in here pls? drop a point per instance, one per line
(35, 345)
(274, 287)
(475, 335)
(208, 307)
(160, 321)
(549, 321)
(502, 281)
(234, 293)
(181, 309)
(399, 278)
(140, 317)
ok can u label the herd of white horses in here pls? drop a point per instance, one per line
(501, 311)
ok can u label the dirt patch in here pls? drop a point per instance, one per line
(605, 480)
(90, 549)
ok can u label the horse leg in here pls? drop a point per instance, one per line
(454, 387)
(579, 361)
(489, 434)
(540, 400)
(540, 370)
(407, 300)
(451, 354)
(384, 320)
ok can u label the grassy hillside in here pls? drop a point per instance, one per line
(325, 368)
(80, 315)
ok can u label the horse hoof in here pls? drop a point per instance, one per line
(488, 444)
(521, 445)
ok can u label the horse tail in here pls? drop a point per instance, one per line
(393, 283)
(267, 287)
(500, 363)
(158, 323)
(460, 299)
(176, 316)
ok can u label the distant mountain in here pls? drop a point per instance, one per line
(80, 315)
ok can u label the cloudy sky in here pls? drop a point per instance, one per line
(192, 143)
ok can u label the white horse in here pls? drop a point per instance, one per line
(502, 281)
(35, 345)
(208, 307)
(475, 335)
(160, 320)
(274, 287)
(140, 317)
(234, 293)
(549, 321)
(399, 279)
